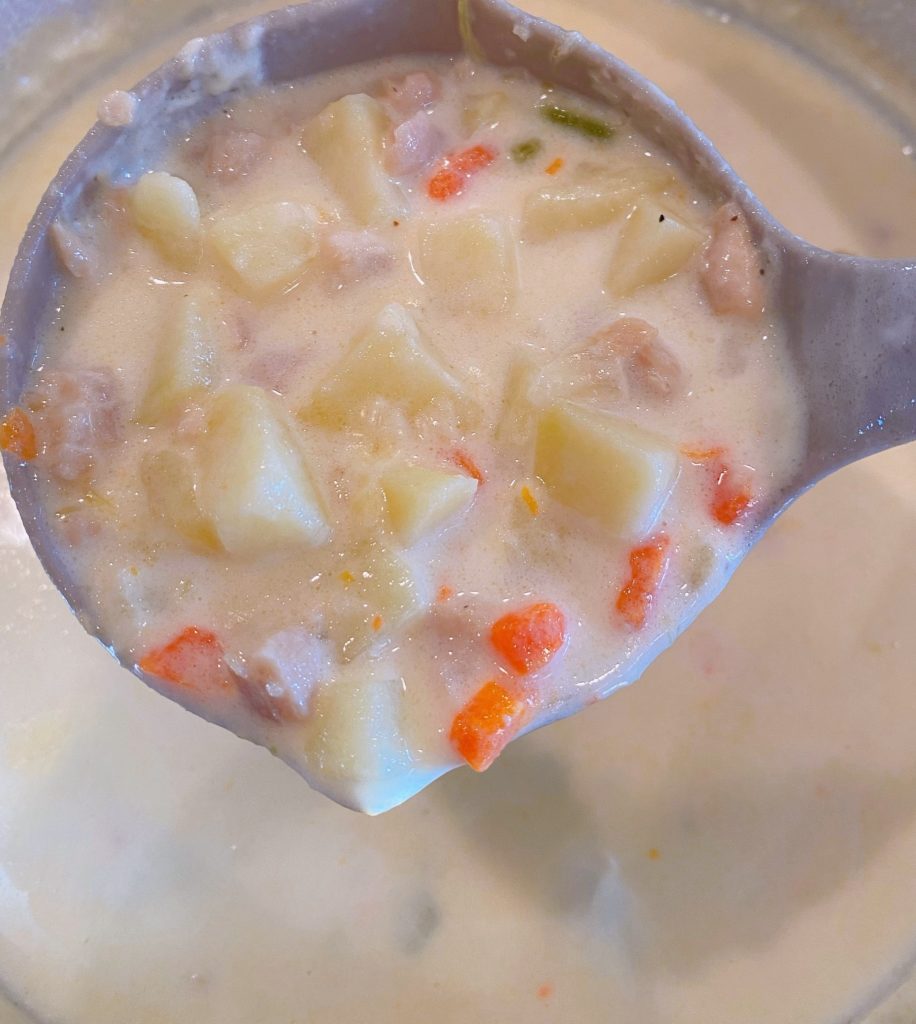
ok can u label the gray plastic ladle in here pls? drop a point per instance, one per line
(851, 322)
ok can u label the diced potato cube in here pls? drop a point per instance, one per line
(388, 360)
(253, 482)
(470, 262)
(375, 594)
(183, 362)
(355, 743)
(165, 209)
(592, 199)
(516, 414)
(653, 246)
(170, 490)
(267, 246)
(483, 110)
(346, 140)
(604, 467)
(366, 506)
(700, 564)
(421, 500)
(129, 595)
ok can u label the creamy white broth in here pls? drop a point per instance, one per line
(211, 882)
(367, 702)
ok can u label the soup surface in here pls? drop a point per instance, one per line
(730, 839)
(369, 483)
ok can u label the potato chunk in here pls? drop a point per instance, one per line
(170, 490)
(355, 742)
(388, 360)
(346, 140)
(374, 595)
(267, 246)
(470, 262)
(593, 198)
(253, 481)
(653, 246)
(165, 209)
(183, 362)
(483, 110)
(516, 414)
(604, 467)
(421, 500)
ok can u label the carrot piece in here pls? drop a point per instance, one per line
(455, 170)
(445, 184)
(377, 623)
(528, 639)
(472, 160)
(193, 660)
(444, 593)
(465, 462)
(529, 499)
(483, 727)
(702, 454)
(732, 496)
(647, 567)
(555, 166)
(17, 435)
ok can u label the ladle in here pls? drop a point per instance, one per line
(851, 322)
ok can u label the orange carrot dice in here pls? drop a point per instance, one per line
(528, 639)
(647, 568)
(17, 435)
(193, 660)
(453, 174)
(703, 454)
(732, 496)
(731, 492)
(530, 501)
(445, 184)
(472, 160)
(483, 727)
(464, 461)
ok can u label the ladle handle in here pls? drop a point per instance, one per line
(852, 330)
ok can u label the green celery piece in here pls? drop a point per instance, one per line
(522, 152)
(585, 124)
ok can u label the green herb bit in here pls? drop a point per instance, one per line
(585, 124)
(522, 152)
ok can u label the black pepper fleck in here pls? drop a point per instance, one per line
(661, 217)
